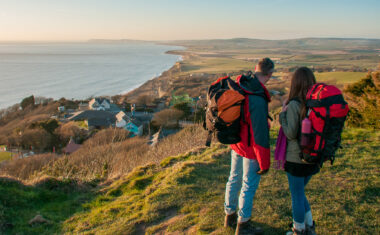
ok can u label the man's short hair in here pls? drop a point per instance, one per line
(265, 66)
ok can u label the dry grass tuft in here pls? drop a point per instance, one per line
(107, 155)
(26, 168)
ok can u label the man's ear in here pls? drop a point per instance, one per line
(255, 68)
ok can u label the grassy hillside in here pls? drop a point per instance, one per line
(185, 193)
(55, 200)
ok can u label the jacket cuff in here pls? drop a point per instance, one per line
(263, 157)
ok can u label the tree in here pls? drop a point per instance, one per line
(184, 107)
(118, 99)
(37, 138)
(48, 125)
(167, 117)
(42, 100)
(28, 101)
(68, 130)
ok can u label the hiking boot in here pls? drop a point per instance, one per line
(230, 220)
(296, 232)
(247, 228)
(310, 230)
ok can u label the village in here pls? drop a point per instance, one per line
(148, 117)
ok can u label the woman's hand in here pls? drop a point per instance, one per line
(284, 106)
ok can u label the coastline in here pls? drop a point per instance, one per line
(44, 81)
(156, 87)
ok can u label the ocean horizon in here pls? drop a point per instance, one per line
(78, 70)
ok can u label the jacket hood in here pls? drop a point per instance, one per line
(252, 85)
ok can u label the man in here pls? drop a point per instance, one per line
(250, 158)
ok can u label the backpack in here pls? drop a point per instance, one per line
(224, 110)
(327, 111)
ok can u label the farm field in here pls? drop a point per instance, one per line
(4, 156)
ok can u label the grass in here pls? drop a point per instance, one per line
(185, 194)
(5, 156)
(340, 77)
(215, 65)
(53, 199)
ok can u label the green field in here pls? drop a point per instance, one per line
(4, 156)
(215, 65)
(339, 77)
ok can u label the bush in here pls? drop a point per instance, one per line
(184, 107)
(107, 136)
(26, 102)
(364, 101)
(36, 138)
(167, 117)
(68, 130)
(25, 168)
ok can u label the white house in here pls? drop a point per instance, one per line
(121, 120)
(99, 104)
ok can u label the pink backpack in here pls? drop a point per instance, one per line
(280, 151)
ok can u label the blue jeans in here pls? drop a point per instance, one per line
(244, 179)
(300, 205)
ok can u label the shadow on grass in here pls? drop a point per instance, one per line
(53, 199)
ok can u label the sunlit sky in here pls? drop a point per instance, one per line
(80, 20)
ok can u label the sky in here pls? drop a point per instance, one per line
(81, 20)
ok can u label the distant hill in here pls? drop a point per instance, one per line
(117, 41)
(302, 43)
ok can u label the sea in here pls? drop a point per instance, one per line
(78, 70)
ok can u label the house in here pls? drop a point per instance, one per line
(99, 123)
(71, 147)
(61, 108)
(99, 104)
(139, 120)
(135, 127)
(133, 122)
(114, 109)
(121, 119)
(95, 118)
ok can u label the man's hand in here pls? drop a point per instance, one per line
(262, 172)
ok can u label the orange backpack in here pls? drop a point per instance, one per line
(225, 101)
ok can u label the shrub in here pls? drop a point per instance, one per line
(364, 100)
(185, 107)
(70, 129)
(167, 117)
(36, 138)
(27, 102)
(25, 168)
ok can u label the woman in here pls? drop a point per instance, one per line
(298, 171)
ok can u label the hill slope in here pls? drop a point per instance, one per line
(184, 195)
